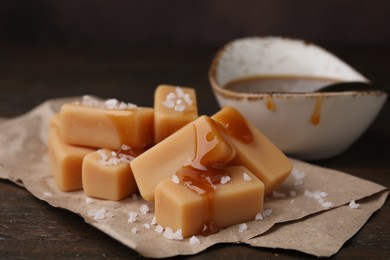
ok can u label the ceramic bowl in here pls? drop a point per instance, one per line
(303, 123)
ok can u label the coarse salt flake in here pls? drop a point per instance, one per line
(99, 214)
(267, 212)
(278, 195)
(259, 217)
(353, 204)
(154, 221)
(147, 226)
(47, 194)
(246, 177)
(134, 196)
(242, 227)
(144, 209)
(132, 216)
(125, 147)
(134, 230)
(159, 229)
(175, 179)
(89, 200)
(194, 241)
(225, 179)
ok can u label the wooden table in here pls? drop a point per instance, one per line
(30, 228)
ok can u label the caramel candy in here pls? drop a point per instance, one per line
(107, 175)
(65, 160)
(198, 144)
(254, 150)
(174, 107)
(181, 204)
(100, 127)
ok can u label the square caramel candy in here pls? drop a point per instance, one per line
(174, 107)
(65, 160)
(106, 124)
(107, 175)
(253, 150)
(198, 144)
(195, 205)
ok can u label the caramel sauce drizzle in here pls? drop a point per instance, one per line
(270, 103)
(203, 179)
(205, 142)
(234, 124)
(316, 116)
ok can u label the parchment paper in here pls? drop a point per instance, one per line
(24, 160)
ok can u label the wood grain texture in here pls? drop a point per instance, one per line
(30, 228)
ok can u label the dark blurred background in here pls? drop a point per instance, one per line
(90, 46)
(183, 23)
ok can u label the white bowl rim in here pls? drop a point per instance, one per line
(230, 94)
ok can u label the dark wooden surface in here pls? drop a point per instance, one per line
(31, 229)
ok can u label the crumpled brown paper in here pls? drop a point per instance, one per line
(24, 160)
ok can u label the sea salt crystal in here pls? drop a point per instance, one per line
(144, 209)
(196, 189)
(242, 227)
(259, 217)
(246, 177)
(225, 179)
(175, 179)
(353, 204)
(147, 226)
(291, 202)
(177, 235)
(134, 196)
(278, 195)
(154, 222)
(320, 197)
(89, 200)
(267, 212)
(298, 175)
(159, 229)
(99, 214)
(134, 230)
(47, 194)
(194, 241)
(125, 147)
(132, 216)
(326, 204)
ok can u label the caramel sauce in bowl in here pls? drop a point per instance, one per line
(274, 83)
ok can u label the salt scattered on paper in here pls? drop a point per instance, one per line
(132, 217)
(154, 221)
(298, 175)
(89, 200)
(47, 194)
(100, 214)
(194, 241)
(177, 235)
(147, 226)
(320, 197)
(159, 229)
(144, 209)
(353, 204)
(262, 215)
(134, 196)
(278, 195)
(242, 227)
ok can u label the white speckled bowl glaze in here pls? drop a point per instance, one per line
(344, 116)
